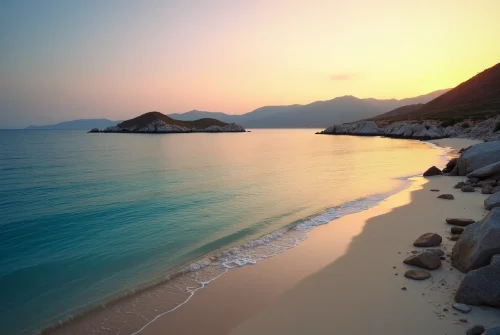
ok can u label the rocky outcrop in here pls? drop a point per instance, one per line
(478, 243)
(396, 130)
(481, 286)
(484, 130)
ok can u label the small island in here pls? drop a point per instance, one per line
(158, 123)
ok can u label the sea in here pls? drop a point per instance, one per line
(106, 232)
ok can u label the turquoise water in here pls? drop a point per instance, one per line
(87, 216)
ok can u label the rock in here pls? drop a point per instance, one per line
(94, 130)
(454, 237)
(459, 185)
(475, 330)
(437, 251)
(487, 189)
(468, 188)
(428, 240)
(417, 274)
(464, 320)
(457, 230)
(451, 164)
(478, 156)
(493, 331)
(426, 259)
(446, 196)
(496, 189)
(403, 288)
(486, 171)
(461, 307)
(434, 190)
(459, 221)
(432, 171)
(481, 286)
(478, 243)
(492, 201)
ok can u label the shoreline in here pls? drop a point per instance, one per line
(350, 289)
(191, 269)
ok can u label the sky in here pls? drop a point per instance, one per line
(62, 60)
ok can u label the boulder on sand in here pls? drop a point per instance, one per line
(451, 164)
(478, 156)
(486, 171)
(478, 243)
(487, 189)
(475, 330)
(468, 188)
(446, 196)
(457, 230)
(481, 286)
(492, 201)
(428, 240)
(427, 260)
(459, 185)
(459, 221)
(437, 251)
(417, 274)
(432, 171)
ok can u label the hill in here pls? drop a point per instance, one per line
(83, 124)
(398, 112)
(477, 98)
(156, 122)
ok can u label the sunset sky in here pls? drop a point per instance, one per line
(64, 60)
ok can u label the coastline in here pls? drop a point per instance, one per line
(243, 292)
(141, 306)
(360, 292)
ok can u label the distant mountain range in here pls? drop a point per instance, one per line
(477, 98)
(84, 124)
(314, 115)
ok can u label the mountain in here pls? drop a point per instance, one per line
(84, 124)
(156, 122)
(313, 115)
(477, 98)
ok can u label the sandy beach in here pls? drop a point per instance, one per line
(362, 291)
(347, 277)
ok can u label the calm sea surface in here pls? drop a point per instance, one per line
(85, 217)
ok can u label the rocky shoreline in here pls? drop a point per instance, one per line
(476, 252)
(160, 127)
(486, 130)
